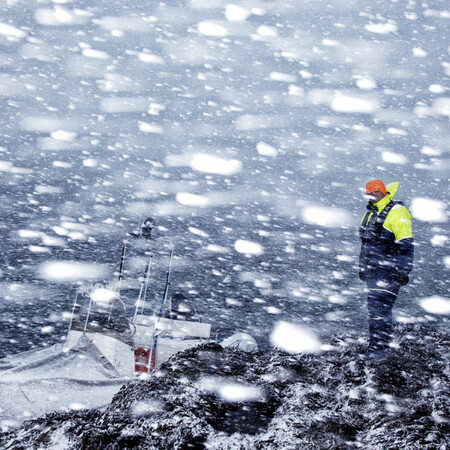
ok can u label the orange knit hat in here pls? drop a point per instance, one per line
(376, 185)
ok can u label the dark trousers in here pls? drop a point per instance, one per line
(380, 304)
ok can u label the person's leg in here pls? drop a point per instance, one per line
(380, 305)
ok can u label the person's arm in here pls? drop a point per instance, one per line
(401, 225)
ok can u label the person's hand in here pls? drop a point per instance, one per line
(401, 278)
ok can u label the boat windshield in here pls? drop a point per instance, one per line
(106, 316)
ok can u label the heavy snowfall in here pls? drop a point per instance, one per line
(248, 131)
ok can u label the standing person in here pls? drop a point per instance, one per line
(385, 261)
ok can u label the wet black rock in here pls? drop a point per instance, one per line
(215, 398)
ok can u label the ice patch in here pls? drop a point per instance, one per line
(429, 210)
(436, 305)
(71, 271)
(248, 247)
(294, 338)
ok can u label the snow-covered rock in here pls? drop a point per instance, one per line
(335, 399)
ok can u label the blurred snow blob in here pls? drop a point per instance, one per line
(213, 164)
(217, 248)
(267, 31)
(285, 77)
(235, 392)
(266, 149)
(185, 198)
(439, 240)
(248, 247)
(212, 29)
(77, 406)
(436, 305)
(150, 58)
(146, 408)
(381, 28)
(63, 135)
(428, 210)
(231, 391)
(354, 104)
(47, 330)
(325, 216)
(419, 52)
(236, 14)
(70, 271)
(447, 262)
(10, 30)
(146, 127)
(102, 295)
(90, 162)
(294, 338)
(394, 158)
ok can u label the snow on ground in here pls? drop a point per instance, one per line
(212, 398)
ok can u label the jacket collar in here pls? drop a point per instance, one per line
(380, 205)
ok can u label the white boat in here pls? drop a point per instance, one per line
(106, 348)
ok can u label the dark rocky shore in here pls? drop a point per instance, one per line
(209, 397)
